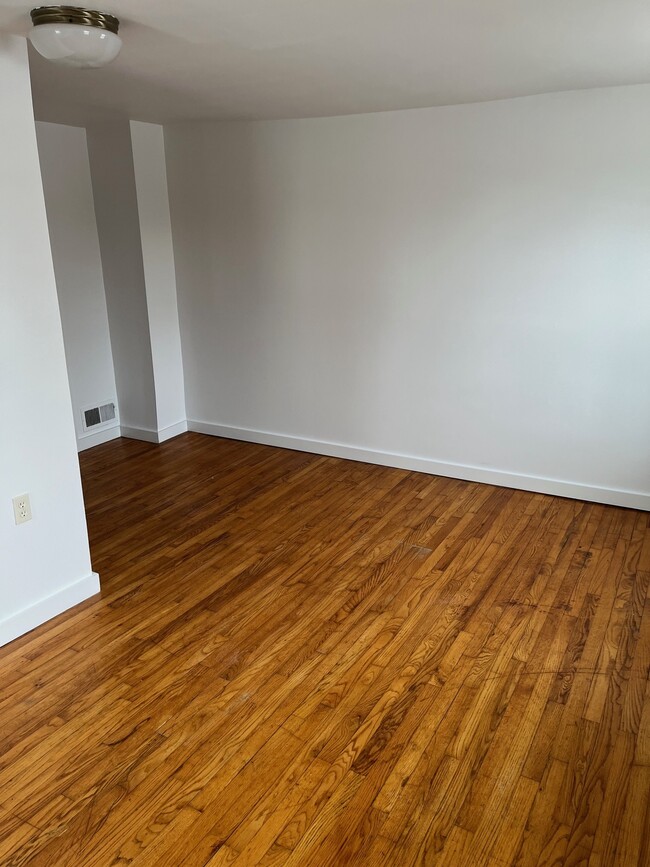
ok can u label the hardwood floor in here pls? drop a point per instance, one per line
(298, 660)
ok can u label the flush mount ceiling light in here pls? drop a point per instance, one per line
(75, 37)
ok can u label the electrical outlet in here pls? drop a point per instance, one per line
(22, 509)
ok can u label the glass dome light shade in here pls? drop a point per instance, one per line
(78, 45)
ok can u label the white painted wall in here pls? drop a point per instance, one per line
(159, 275)
(44, 564)
(461, 289)
(116, 209)
(78, 270)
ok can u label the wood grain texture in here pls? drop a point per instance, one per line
(299, 660)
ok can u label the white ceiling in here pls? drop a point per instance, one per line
(299, 58)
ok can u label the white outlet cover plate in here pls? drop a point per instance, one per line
(22, 509)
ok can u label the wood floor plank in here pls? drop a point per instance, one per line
(299, 660)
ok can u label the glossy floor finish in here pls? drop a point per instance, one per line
(299, 660)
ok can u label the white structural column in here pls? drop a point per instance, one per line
(116, 210)
(159, 276)
(129, 180)
(44, 563)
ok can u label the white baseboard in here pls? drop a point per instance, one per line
(45, 609)
(139, 433)
(172, 430)
(154, 436)
(87, 441)
(537, 484)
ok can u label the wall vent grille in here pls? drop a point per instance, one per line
(107, 412)
(98, 415)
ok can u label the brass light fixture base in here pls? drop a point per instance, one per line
(74, 15)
